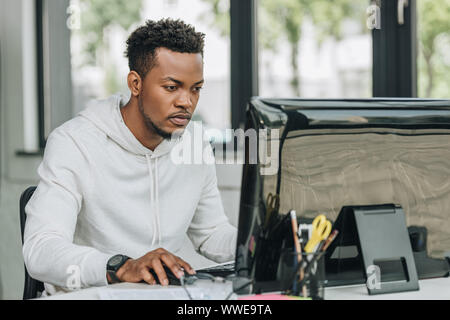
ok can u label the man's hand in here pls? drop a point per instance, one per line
(138, 269)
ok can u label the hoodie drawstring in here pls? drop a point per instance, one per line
(157, 202)
(154, 198)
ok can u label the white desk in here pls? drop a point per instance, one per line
(202, 289)
(431, 289)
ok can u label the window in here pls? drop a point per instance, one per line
(100, 69)
(314, 49)
(433, 30)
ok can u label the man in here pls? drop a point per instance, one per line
(111, 204)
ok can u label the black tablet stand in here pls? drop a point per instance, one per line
(385, 256)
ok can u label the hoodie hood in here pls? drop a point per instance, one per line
(106, 115)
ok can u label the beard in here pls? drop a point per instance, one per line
(151, 126)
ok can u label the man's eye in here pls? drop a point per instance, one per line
(198, 89)
(171, 88)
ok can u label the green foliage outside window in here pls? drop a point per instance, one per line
(434, 48)
(283, 19)
(96, 16)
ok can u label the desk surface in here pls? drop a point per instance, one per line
(430, 289)
(201, 290)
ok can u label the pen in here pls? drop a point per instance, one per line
(324, 244)
(329, 240)
(298, 249)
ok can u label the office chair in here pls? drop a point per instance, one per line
(32, 286)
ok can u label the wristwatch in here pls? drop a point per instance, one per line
(114, 264)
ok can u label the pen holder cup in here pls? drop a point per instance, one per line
(305, 277)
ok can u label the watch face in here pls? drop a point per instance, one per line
(115, 260)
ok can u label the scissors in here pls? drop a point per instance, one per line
(321, 230)
(273, 204)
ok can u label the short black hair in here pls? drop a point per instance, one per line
(174, 35)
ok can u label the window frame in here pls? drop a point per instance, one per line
(244, 57)
(395, 52)
(55, 78)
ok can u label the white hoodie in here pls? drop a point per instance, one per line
(101, 193)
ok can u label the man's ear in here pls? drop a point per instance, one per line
(134, 83)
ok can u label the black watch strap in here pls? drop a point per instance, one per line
(113, 277)
(114, 264)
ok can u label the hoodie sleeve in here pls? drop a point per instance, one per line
(210, 231)
(49, 252)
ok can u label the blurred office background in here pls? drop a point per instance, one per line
(55, 55)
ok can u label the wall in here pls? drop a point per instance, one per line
(16, 172)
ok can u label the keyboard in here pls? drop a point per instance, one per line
(221, 270)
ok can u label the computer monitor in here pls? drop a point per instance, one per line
(318, 156)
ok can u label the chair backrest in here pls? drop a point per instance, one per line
(32, 286)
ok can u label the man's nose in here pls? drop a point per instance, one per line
(184, 100)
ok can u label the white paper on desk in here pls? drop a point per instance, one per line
(151, 294)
